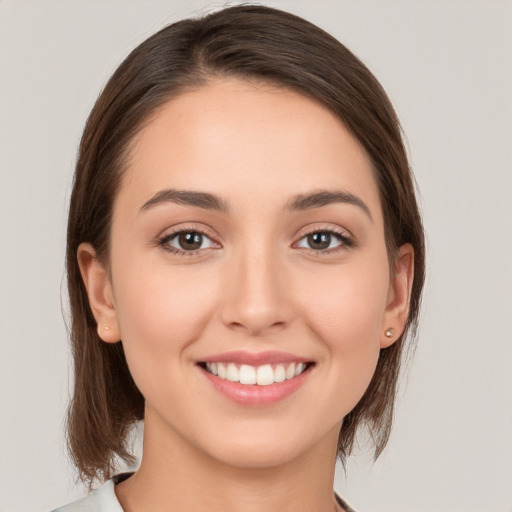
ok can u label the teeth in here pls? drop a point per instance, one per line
(232, 373)
(221, 369)
(264, 375)
(250, 375)
(247, 374)
(212, 368)
(279, 373)
(299, 369)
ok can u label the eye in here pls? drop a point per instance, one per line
(187, 241)
(325, 240)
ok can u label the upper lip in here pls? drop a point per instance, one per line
(255, 358)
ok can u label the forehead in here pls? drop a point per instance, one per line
(248, 140)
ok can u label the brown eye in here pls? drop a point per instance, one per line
(325, 241)
(190, 241)
(321, 240)
(187, 242)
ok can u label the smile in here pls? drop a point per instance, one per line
(264, 375)
(256, 379)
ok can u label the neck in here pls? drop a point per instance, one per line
(176, 476)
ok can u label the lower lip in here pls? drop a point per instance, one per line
(257, 395)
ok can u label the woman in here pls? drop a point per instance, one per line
(245, 262)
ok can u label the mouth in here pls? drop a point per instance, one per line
(256, 379)
(262, 375)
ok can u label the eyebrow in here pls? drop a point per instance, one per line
(187, 197)
(209, 201)
(320, 198)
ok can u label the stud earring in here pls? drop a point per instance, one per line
(106, 327)
(389, 332)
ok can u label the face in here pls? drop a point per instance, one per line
(249, 279)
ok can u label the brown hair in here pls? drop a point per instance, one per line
(244, 41)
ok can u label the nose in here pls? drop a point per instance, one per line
(256, 294)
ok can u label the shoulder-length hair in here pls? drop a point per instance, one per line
(252, 42)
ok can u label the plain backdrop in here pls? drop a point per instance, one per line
(447, 66)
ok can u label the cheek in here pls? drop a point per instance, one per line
(347, 304)
(162, 312)
(345, 313)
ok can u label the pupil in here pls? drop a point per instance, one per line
(190, 241)
(319, 240)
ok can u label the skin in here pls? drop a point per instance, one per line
(255, 285)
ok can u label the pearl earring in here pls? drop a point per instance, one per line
(389, 333)
(106, 327)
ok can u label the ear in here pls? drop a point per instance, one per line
(99, 290)
(399, 297)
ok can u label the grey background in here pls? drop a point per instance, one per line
(447, 66)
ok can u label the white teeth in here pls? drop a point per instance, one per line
(232, 373)
(247, 374)
(279, 373)
(221, 369)
(264, 375)
(299, 369)
(212, 368)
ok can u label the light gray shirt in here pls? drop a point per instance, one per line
(103, 499)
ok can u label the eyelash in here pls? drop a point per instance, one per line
(164, 241)
(346, 241)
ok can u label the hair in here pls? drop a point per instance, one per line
(250, 42)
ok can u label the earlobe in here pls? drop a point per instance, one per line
(99, 291)
(399, 297)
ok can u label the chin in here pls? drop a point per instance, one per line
(259, 449)
(257, 456)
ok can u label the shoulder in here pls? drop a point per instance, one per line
(344, 505)
(102, 499)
